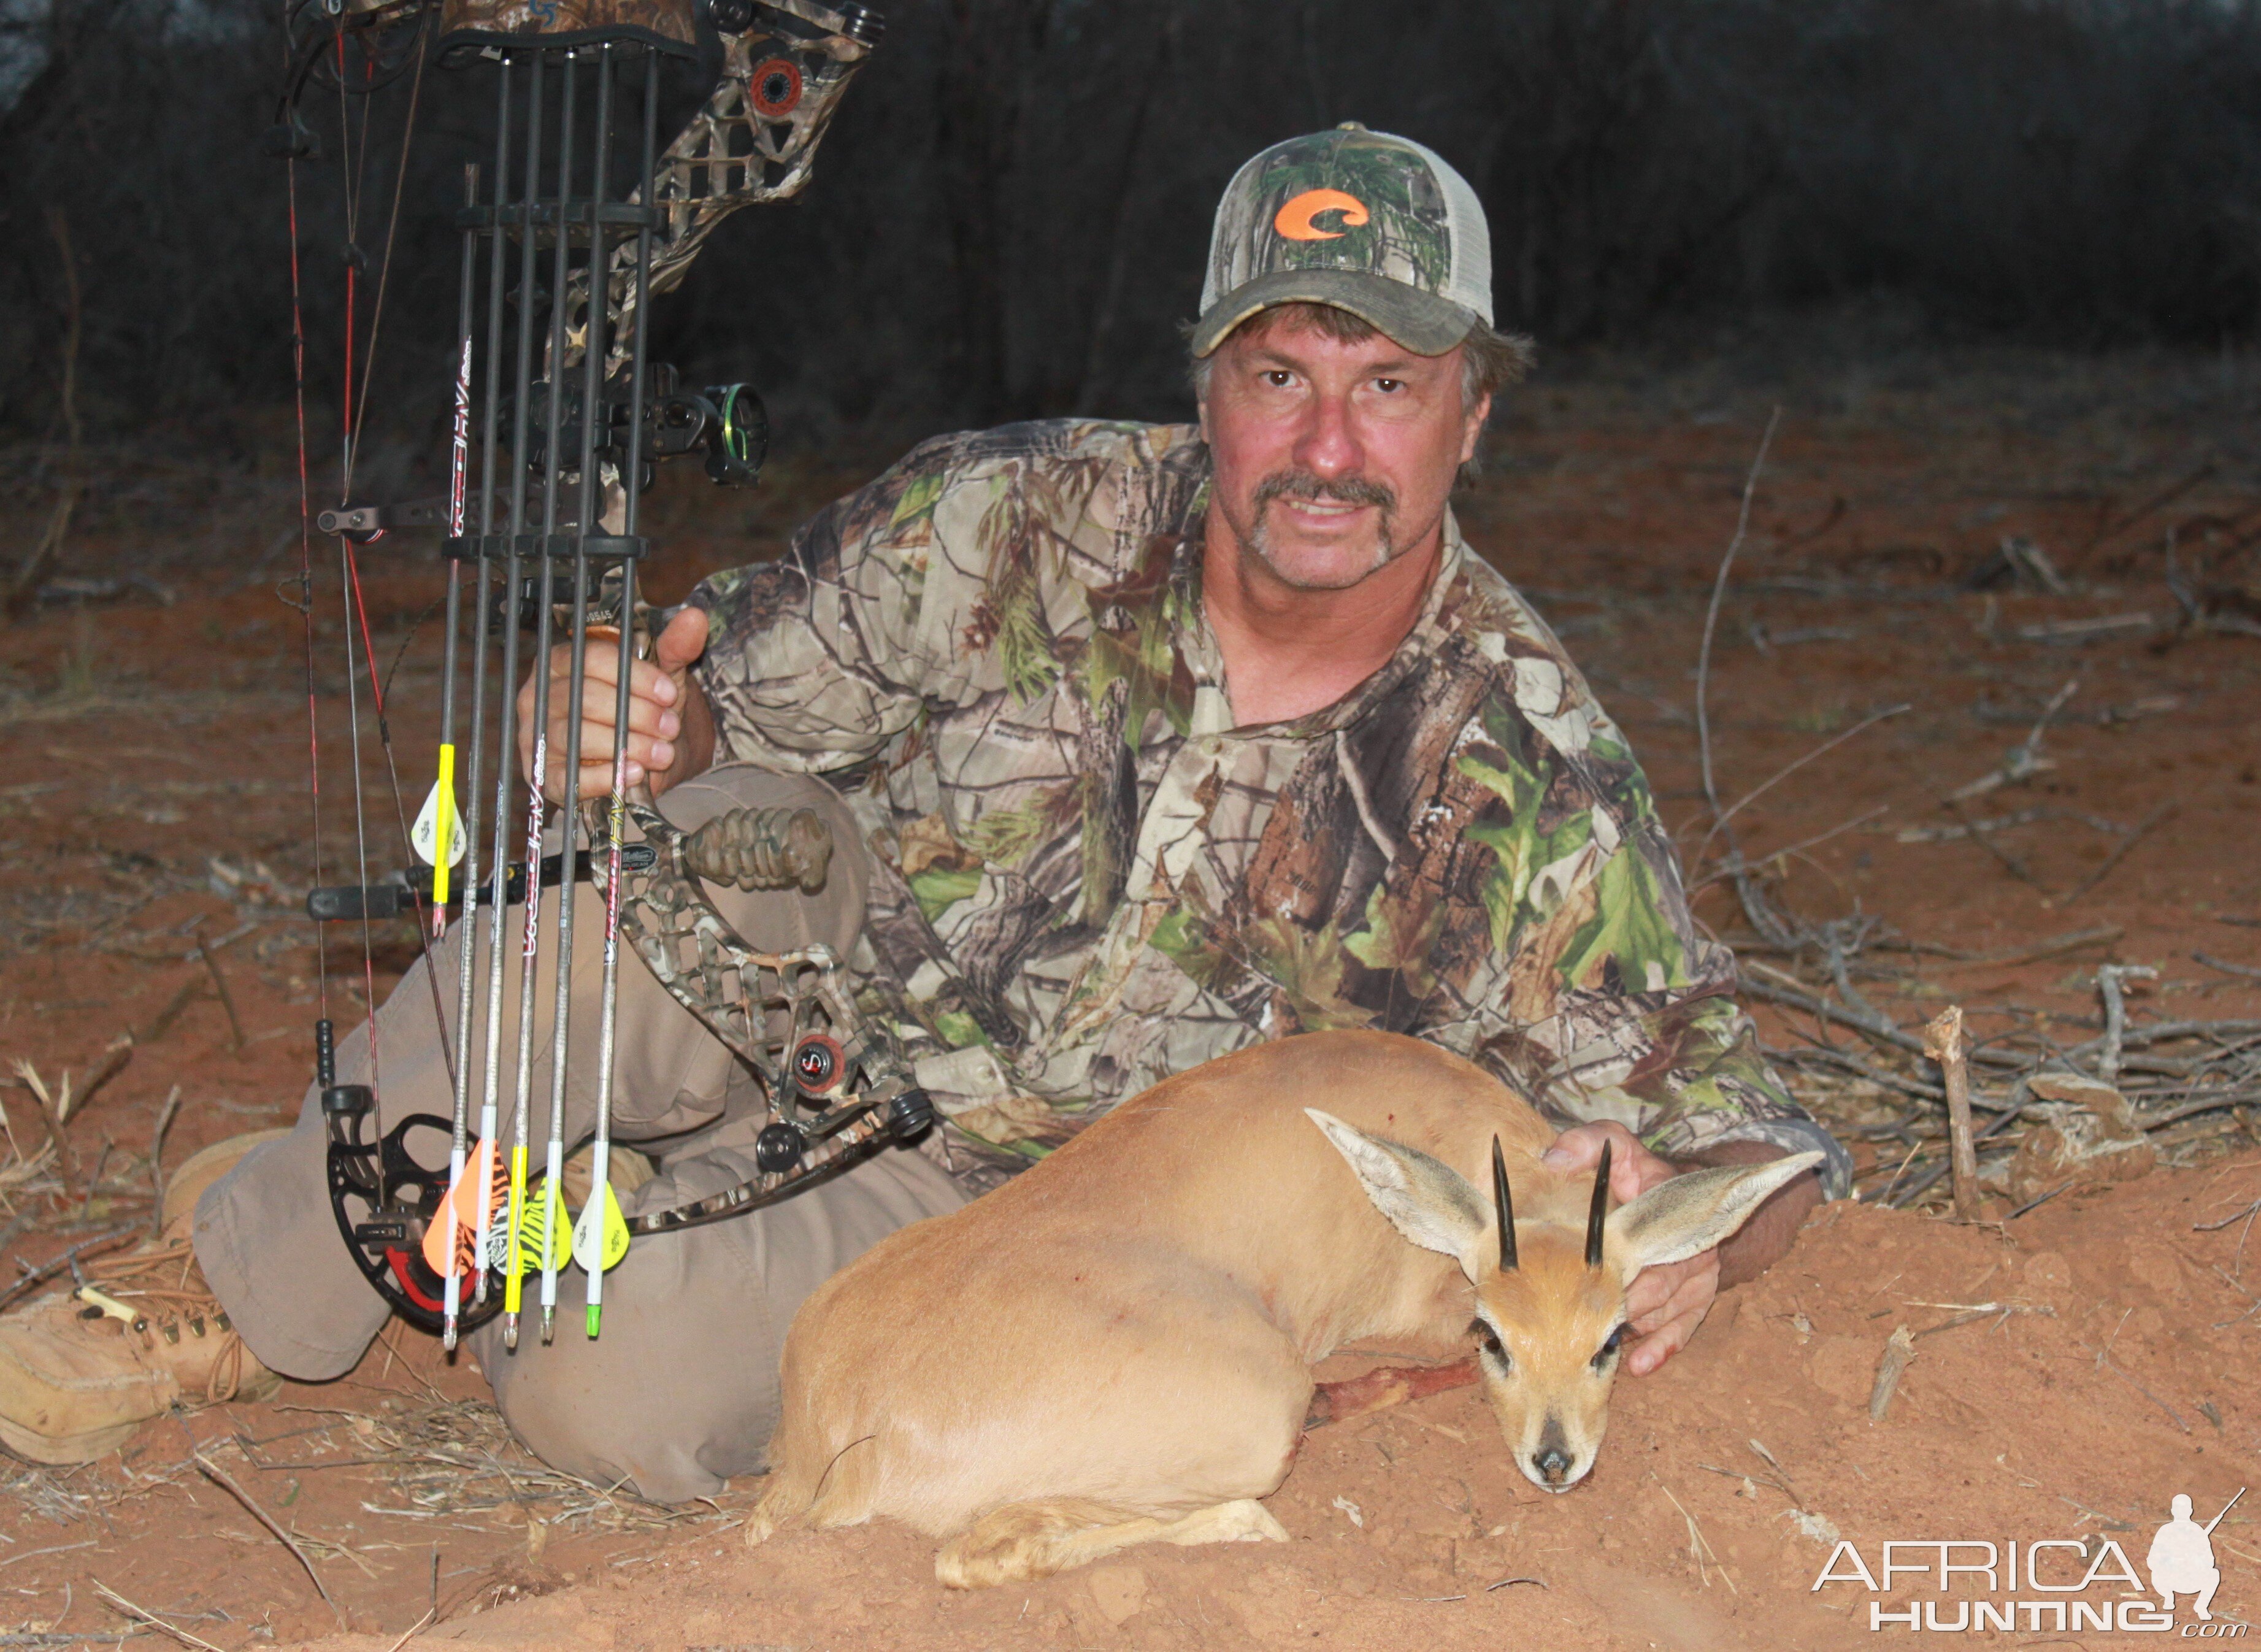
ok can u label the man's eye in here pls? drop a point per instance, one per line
(1278, 378)
(1610, 1348)
(1390, 386)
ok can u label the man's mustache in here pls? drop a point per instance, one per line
(1302, 485)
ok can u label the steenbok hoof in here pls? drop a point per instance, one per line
(1245, 1521)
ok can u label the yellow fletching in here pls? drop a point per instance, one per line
(443, 826)
(601, 1238)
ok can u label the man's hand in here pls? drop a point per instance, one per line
(670, 733)
(1664, 1304)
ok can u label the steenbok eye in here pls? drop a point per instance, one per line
(1488, 1342)
(1610, 1349)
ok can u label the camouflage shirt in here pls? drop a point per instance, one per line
(1085, 877)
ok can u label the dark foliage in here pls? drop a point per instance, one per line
(1010, 214)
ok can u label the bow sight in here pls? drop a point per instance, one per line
(571, 228)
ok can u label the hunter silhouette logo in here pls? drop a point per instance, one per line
(2181, 1559)
(1297, 219)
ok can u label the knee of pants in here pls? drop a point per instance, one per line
(677, 1395)
(681, 1392)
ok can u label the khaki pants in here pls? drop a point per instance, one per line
(680, 1393)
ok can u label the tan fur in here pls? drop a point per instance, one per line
(1115, 1348)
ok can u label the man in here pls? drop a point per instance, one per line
(1155, 742)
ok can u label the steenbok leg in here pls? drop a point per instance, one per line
(1022, 1540)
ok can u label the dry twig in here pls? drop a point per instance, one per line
(221, 1478)
(1942, 1042)
(22, 592)
(2143, 830)
(1699, 1547)
(142, 1614)
(219, 985)
(157, 1162)
(1899, 1349)
(53, 1111)
(2109, 978)
(1763, 917)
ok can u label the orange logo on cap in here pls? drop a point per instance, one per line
(1294, 220)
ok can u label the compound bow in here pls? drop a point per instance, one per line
(570, 427)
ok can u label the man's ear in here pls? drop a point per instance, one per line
(1430, 1203)
(1472, 427)
(1689, 1214)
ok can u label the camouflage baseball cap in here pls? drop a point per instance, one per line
(1370, 222)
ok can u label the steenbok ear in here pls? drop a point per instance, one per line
(1428, 1202)
(1689, 1214)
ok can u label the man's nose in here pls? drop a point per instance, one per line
(1328, 445)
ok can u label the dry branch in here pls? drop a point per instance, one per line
(23, 590)
(219, 985)
(1899, 1350)
(157, 1162)
(141, 1614)
(2111, 861)
(2103, 935)
(221, 1478)
(1942, 1042)
(52, 1111)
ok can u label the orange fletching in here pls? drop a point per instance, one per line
(479, 1170)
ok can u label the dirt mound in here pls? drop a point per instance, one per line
(2072, 1371)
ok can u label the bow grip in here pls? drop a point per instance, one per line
(762, 849)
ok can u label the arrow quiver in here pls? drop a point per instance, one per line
(571, 222)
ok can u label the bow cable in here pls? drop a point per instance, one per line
(305, 603)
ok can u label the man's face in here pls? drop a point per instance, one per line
(1332, 459)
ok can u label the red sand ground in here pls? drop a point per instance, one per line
(155, 756)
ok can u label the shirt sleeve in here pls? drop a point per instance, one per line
(816, 662)
(1602, 998)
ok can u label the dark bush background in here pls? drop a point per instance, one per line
(1010, 214)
